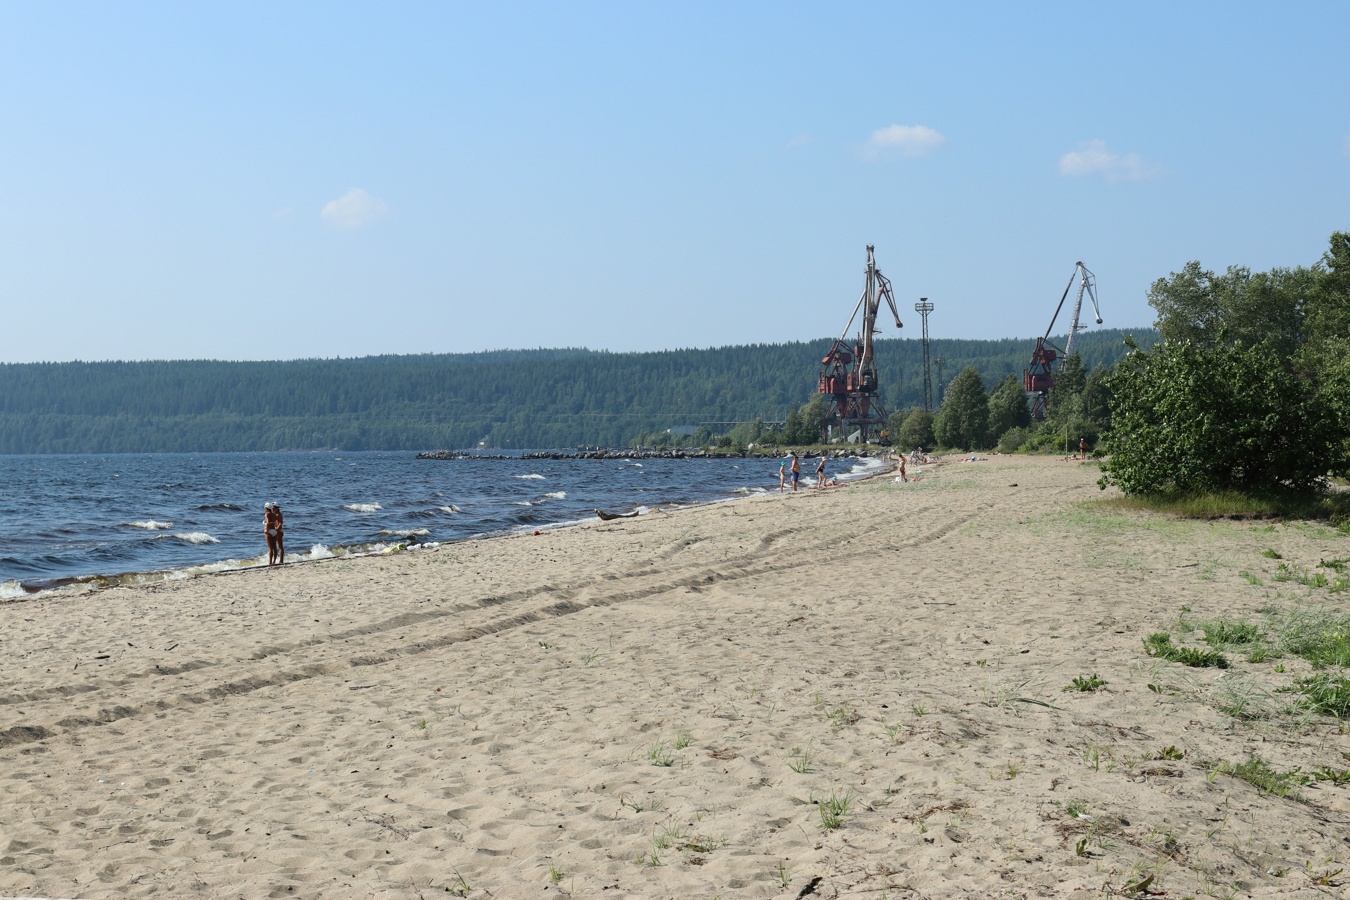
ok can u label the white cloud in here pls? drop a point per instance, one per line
(1095, 158)
(903, 140)
(354, 209)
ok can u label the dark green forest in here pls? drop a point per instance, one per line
(501, 399)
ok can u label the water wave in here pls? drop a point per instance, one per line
(12, 590)
(149, 525)
(452, 508)
(405, 532)
(190, 537)
(229, 506)
(556, 495)
(532, 476)
(362, 507)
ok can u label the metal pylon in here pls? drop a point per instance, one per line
(923, 308)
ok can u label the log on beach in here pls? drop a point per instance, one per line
(859, 691)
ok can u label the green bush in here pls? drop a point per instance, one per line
(1192, 419)
(1013, 439)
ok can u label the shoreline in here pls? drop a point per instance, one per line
(86, 585)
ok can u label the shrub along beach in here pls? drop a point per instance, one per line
(985, 677)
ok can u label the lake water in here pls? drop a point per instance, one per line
(86, 521)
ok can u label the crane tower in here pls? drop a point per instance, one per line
(1039, 377)
(848, 373)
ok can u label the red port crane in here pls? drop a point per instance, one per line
(848, 374)
(1039, 377)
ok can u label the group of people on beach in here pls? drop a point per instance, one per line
(790, 473)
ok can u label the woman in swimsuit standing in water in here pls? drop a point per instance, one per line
(274, 531)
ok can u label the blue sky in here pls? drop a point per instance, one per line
(273, 181)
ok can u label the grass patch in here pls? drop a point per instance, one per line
(1085, 683)
(1160, 645)
(843, 715)
(1322, 637)
(1328, 695)
(702, 843)
(660, 755)
(799, 760)
(1227, 633)
(1243, 699)
(1266, 778)
(1237, 505)
(833, 809)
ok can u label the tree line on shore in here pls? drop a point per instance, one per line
(500, 399)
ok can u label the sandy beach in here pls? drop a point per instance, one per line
(680, 704)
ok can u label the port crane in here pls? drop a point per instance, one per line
(848, 374)
(1039, 377)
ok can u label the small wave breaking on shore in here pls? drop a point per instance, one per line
(149, 525)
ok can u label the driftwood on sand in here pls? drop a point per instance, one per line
(606, 516)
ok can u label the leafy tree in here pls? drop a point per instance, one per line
(1008, 408)
(963, 420)
(1334, 386)
(1191, 418)
(1264, 307)
(793, 430)
(1069, 382)
(1097, 399)
(915, 431)
(1329, 306)
(813, 418)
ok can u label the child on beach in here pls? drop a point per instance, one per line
(782, 477)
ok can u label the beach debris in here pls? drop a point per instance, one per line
(607, 516)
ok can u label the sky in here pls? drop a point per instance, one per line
(297, 180)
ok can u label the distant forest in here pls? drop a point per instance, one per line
(502, 399)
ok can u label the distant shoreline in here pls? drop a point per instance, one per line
(609, 454)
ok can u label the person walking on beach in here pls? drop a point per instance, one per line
(795, 471)
(274, 530)
(820, 473)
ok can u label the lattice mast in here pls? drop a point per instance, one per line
(848, 374)
(923, 308)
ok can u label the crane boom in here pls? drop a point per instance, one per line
(1086, 282)
(1039, 377)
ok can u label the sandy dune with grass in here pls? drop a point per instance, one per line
(904, 690)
